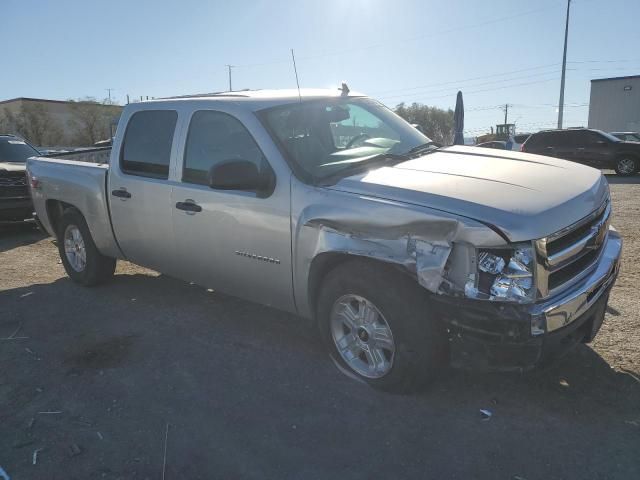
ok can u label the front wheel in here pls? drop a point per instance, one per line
(626, 166)
(80, 257)
(378, 324)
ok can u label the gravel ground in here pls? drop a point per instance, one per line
(100, 383)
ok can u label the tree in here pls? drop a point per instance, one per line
(33, 122)
(435, 122)
(92, 120)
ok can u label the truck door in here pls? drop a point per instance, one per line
(234, 241)
(140, 191)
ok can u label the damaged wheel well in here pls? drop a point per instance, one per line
(326, 262)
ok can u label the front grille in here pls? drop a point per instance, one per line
(567, 256)
(13, 184)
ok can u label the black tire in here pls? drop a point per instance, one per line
(97, 268)
(420, 339)
(623, 169)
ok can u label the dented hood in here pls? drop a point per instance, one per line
(526, 196)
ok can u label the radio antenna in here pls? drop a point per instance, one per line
(293, 57)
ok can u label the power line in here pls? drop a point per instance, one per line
(493, 82)
(486, 89)
(472, 78)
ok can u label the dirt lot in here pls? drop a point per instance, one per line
(91, 378)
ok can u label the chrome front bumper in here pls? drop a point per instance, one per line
(563, 309)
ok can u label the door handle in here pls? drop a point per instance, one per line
(189, 206)
(121, 193)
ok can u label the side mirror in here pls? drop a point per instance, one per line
(238, 175)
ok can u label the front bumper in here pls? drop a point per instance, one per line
(500, 336)
(15, 208)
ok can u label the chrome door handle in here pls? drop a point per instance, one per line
(121, 193)
(189, 207)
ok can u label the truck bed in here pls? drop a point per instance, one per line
(80, 184)
(91, 155)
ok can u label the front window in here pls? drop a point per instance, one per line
(631, 137)
(327, 137)
(16, 150)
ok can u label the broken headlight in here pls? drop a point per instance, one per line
(504, 274)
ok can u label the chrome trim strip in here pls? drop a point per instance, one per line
(562, 311)
(579, 223)
(571, 251)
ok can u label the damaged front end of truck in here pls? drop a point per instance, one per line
(482, 286)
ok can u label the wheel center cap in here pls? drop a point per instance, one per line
(363, 334)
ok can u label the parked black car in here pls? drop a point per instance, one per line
(590, 147)
(15, 200)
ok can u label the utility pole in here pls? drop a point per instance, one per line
(109, 90)
(564, 68)
(506, 112)
(229, 67)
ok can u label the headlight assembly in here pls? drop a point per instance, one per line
(503, 274)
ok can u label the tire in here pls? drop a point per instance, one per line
(626, 166)
(73, 233)
(418, 348)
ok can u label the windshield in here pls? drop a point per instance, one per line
(326, 137)
(15, 150)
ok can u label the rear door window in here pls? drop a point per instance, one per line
(146, 150)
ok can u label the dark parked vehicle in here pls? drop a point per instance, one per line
(587, 146)
(627, 136)
(15, 199)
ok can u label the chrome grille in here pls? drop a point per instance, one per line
(568, 255)
(13, 180)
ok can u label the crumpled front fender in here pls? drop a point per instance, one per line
(420, 240)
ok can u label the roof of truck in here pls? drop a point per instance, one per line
(273, 94)
(259, 99)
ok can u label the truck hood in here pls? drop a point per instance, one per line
(13, 166)
(526, 196)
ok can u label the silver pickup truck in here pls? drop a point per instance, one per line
(406, 255)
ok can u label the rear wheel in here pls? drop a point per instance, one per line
(80, 257)
(627, 166)
(378, 325)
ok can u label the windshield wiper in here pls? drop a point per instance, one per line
(355, 166)
(422, 148)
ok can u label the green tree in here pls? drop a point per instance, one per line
(436, 123)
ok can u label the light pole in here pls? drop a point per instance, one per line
(230, 67)
(564, 68)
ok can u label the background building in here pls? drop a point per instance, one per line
(615, 104)
(59, 123)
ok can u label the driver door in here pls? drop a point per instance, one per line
(233, 241)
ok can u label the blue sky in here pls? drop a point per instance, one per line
(495, 51)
